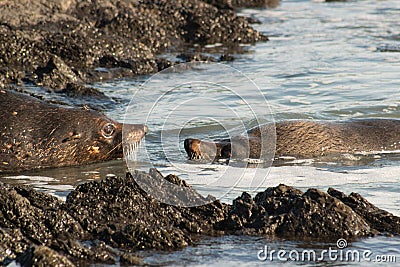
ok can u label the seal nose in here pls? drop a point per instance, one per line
(134, 132)
(192, 147)
(198, 149)
(188, 144)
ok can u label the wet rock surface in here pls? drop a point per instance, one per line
(43, 256)
(97, 218)
(286, 211)
(377, 218)
(233, 4)
(121, 214)
(59, 43)
(108, 221)
(388, 48)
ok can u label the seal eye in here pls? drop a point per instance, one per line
(108, 130)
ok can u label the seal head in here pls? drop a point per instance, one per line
(207, 150)
(35, 134)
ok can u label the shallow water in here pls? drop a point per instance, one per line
(322, 62)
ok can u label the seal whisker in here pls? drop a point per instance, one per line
(54, 129)
(113, 149)
(131, 150)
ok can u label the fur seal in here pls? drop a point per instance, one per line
(35, 134)
(306, 139)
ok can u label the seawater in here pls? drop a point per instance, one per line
(322, 63)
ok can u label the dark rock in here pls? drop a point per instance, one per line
(12, 243)
(10, 75)
(176, 180)
(388, 48)
(128, 259)
(222, 4)
(121, 214)
(22, 209)
(56, 74)
(43, 256)
(317, 214)
(29, 217)
(193, 57)
(163, 64)
(377, 218)
(63, 42)
(232, 4)
(76, 250)
(253, 20)
(78, 90)
(286, 211)
(256, 3)
(60, 78)
(100, 74)
(103, 221)
(226, 58)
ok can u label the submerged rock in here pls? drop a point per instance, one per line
(106, 221)
(388, 48)
(232, 4)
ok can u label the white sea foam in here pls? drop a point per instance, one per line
(304, 176)
(31, 178)
(381, 186)
(227, 183)
(47, 184)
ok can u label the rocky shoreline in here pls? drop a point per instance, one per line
(63, 45)
(108, 221)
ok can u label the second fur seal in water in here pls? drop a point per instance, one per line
(304, 139)
(35, 134)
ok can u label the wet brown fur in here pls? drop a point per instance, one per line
(309, 139)
(35, 134)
